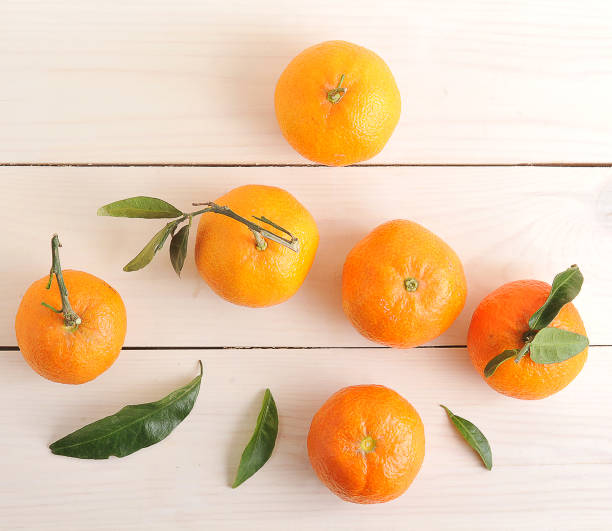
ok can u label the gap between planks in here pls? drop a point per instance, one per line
(297, 165)
(12, 348)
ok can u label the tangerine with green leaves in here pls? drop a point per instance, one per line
(366, 444)
(337, 103)
(501, 323)
(402, 286)
(72, 330)
(249, 271)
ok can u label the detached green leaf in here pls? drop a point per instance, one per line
(144, 257)
(553, 345)
(474, 437)
(260, 447)
(178, 248)
(132, 428)
(498, 360)
(140, 207)
(565, 287)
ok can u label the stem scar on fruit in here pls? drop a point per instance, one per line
(335, 95)
(367, 445)
(71, 319)
(411, 284)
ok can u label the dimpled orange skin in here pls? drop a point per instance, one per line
(335, 444)
(373, 291)
(499, 323)
(61, 354)
(352, 130)
(227, 257)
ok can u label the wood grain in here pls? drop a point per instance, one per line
(189, 81)
(552, 459)
(504, 223)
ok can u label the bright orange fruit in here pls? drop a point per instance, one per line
(337, 103)
(71, 354)
(499, 323)
(366, 444)
(231, 263)
(402, 285)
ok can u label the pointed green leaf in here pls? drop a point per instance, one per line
(140, 207)
(497, 361)
(178, 248)
(565, 287)
(131, 428)
(553, 345)
(145, 256)
(260, 447)
(474, 437)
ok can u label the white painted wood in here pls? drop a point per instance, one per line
(193, 81)
(504, 223)
(552, 458)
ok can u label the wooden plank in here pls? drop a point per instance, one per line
(552, 460)
(504, 223)
(192, 81)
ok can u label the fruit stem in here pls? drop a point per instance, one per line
(335, 95)
(71, 319)
(259, 232)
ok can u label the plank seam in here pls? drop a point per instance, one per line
(298, 165)
(13, 348)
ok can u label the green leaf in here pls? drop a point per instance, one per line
(140, 207)
(553, 345)
(260, 447)
(145, 256)
(564, 289)
(132, 428)
(178, 248)
(474, 437)
(498, 360)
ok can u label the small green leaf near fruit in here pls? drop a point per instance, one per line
(132, 428)
(498, 360)
(565, 288)
(474, 437)
(140, 207)
(259, 449)
(554, 345)
(144, 257)
(178, 248)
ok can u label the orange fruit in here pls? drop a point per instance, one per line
(366, 444)
(67, 353)
(499, 323)
(337, 103)
(231, 263)
(402, 286)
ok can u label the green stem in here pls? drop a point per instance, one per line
(71, 319)
(335, 95)
(258, 231)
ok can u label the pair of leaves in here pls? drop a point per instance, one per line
(132, 428)
(153, 208)
(259, 449)
(549, 345)
(474, 437)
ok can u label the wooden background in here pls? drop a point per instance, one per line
(504, 149)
